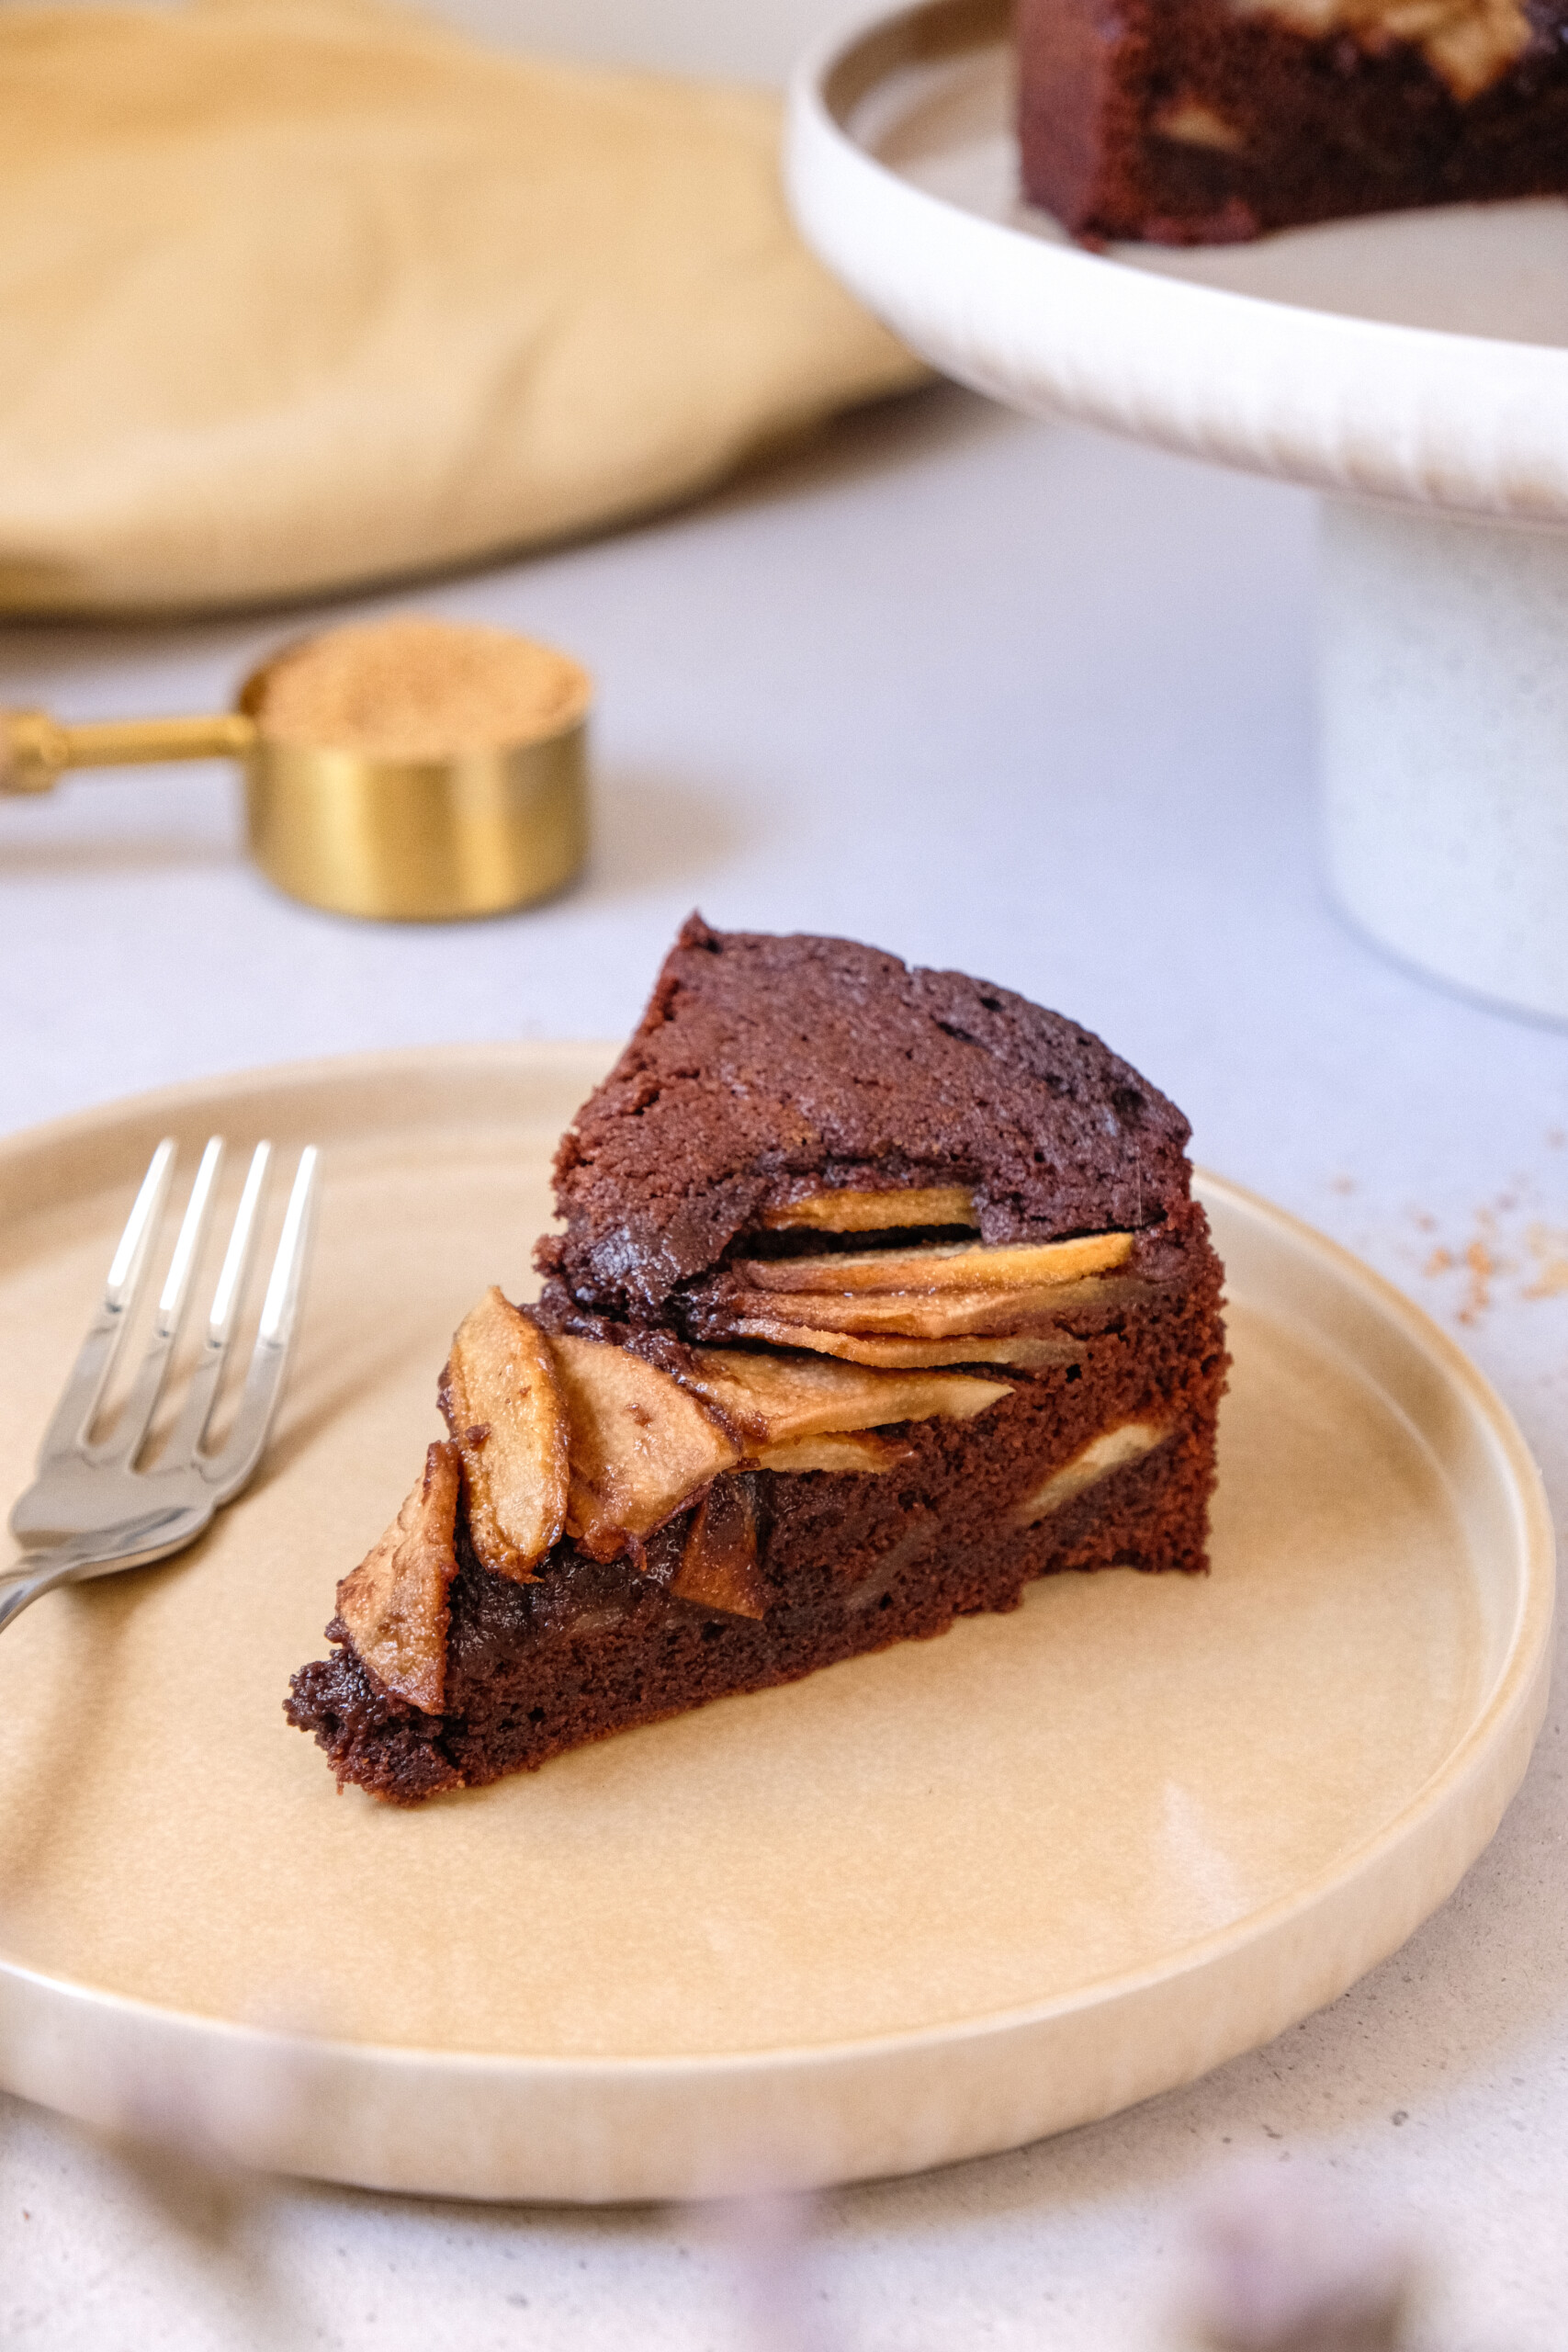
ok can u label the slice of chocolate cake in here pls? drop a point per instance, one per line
(880, 1292)
(1207, 121)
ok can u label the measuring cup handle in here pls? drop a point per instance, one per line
(34, 749)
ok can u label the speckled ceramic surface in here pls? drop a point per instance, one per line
(924, 1905)
(1443, 736)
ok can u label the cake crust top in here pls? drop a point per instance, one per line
(766, 1068)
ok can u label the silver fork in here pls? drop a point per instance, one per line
(90, 1509)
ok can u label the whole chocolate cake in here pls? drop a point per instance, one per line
(1207, 121)
(880, 1292)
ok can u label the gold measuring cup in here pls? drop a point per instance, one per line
(361, 822)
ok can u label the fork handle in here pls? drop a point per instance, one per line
(36, 749)
(18, 1595)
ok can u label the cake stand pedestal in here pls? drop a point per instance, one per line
(1443, 684)
(1414, 368)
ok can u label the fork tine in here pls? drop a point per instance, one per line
(91, 1510)
(227, 1299)
(230, 1468)
(127, 1278)
(130, 1430)
(282, 1304)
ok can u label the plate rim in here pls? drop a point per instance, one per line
(1498, 1737)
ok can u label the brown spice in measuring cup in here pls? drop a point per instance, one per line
(419, 690)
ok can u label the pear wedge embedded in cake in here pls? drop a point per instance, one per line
(504, 1407)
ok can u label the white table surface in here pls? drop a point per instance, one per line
(997, 695)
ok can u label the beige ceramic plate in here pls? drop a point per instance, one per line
(920, 1906)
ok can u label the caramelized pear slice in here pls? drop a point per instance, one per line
(394, 1604)
(1035, 1351)
(851, 1211)
(718, 1568)
(503, 1408)
(859, 1452)
(639, 1445)
(961, 1266)
(772, 1400)
(1112, 1450)
(929, 1315)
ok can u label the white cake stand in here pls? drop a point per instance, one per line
(1412, 369)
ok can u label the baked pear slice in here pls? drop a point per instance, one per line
(504, 1409)
(1033, 1351)
(771, 1401)
(1112, 1450)
(394, 1605)
(943, 1266)
(928, 1315)
(718, 1566)
(640, 1446)
(863, 1452)
(849, 1211)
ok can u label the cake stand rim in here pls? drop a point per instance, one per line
(1299, 419)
